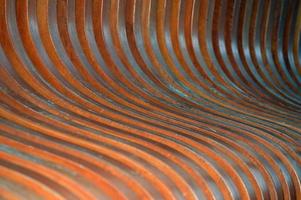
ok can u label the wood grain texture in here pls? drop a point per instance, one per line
(150, 99)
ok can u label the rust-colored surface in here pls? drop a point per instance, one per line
(150, 99)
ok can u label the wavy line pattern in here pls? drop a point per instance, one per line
(152, 99)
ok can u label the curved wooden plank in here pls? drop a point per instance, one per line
(152, 99)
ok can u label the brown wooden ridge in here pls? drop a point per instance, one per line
(150, 99)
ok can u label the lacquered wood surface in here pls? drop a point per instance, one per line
(150, 99)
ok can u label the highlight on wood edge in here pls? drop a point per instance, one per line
(150, 99)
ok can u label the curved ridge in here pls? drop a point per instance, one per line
(150, 99)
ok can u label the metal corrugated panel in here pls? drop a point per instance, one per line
(150, 99)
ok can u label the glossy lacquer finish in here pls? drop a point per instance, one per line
(150, 99)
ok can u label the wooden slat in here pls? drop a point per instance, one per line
(150, 99)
